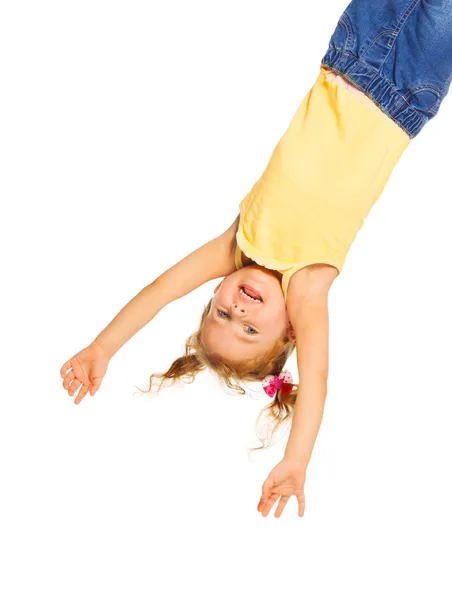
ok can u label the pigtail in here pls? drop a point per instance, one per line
(187, 366)
(275, 414)
(184, 368)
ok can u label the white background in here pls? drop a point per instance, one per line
(130, 131)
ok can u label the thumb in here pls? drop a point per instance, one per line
(95, 385)
(266, 490)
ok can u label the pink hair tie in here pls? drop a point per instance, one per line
(273, 383)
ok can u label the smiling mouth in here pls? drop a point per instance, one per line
(250, 294)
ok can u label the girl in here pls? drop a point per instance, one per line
(387, 69)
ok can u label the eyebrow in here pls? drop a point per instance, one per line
(248, 339)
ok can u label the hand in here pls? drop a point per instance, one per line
(287, 478)
(87, 369)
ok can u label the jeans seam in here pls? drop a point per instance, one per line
(400, 24)
(385, 31)
(403, 19)
(425, 86)
(345, 21)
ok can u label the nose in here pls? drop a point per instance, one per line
(238, 310)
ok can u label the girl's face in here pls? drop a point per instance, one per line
(238, 327)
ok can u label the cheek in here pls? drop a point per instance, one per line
(279, 307)
(276, 313)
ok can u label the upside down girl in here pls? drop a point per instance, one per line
(386, 71)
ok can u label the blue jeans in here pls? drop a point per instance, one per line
(398, 52)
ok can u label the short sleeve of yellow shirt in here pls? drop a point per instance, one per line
(323, 177)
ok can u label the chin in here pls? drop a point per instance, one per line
(263, 271)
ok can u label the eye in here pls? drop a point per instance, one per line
(224, 315)
(250, 331)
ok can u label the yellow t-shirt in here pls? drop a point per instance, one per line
(323, 177)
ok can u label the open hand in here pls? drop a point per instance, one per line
(287, 478)
(86, 369)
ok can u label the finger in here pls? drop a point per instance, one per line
(74, 387)
(67, 365)
(269, 504)
(68, 380)
(301, 505)
(262, 503)
(82, 393)
(80, 372)
(281, 504)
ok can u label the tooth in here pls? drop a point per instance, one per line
(255, 300)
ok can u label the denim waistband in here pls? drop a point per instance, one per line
(377, 87)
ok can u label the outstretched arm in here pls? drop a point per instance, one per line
(213, 259)
(307, 306)
(311, 330)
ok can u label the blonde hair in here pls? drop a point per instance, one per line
(197, 357)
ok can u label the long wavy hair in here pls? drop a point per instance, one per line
(197, 357)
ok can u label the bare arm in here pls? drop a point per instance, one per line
(213, 259)
(308, 312)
